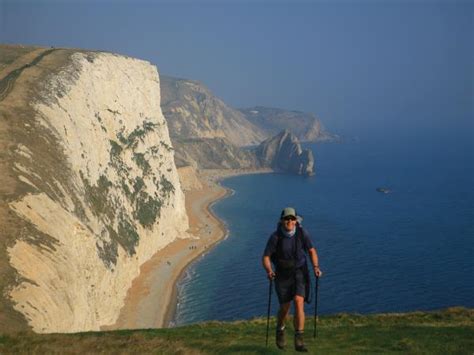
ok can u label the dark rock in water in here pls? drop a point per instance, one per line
(283, 153)
(383, 190)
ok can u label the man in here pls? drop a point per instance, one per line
(286, 249)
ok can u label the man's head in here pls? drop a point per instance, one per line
(288, 218)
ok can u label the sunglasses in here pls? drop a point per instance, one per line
(289, 218)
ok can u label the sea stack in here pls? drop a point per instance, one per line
(283, 153)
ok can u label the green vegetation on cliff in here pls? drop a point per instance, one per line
(449, 331)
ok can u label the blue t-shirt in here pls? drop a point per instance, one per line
(288, 246)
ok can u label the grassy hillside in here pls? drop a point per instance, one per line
(443, 332)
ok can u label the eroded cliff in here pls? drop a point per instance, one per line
(89, 189)
(193, 111)
(208, 134)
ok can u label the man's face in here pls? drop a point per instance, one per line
(289, 223)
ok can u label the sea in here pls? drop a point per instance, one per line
(406, 250)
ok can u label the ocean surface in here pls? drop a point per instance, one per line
(411, 249)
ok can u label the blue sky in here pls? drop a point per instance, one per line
(359, 65)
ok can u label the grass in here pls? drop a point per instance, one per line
(449, 331)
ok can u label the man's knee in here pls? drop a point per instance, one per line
(299, 301)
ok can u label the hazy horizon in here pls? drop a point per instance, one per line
(403, 67)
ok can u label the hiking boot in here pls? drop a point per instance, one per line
(299, 342)
(280, 338)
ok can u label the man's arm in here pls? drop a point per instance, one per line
(267, 265)
(312, 253)
(269, 250)
(315, 261)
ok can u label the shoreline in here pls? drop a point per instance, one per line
(151, 301)
(172, 305)
(213, 178)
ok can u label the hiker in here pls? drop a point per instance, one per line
(286, 249)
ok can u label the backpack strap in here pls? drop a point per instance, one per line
(299, 238)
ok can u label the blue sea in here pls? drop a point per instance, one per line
(411, 249)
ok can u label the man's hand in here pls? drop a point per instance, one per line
(267, 265)
(317, 271)
(271, 275)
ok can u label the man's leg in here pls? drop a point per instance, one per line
(280, 330)
(299, 323)
(283, 314)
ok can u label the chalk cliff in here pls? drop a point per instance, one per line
(88, 185)
(193, 111)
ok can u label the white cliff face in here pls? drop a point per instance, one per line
(117, 200)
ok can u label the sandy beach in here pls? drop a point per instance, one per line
(151, 300)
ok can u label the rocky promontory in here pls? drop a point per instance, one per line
(307, 127)
(193, 111)
(209, 134)
(283, 153)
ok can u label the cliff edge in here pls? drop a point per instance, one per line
(88, 185)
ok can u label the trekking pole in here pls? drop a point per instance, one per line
(268, 311)
(315, 305)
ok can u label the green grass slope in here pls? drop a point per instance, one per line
(449, 331)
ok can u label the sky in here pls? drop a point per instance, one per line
(361, 66)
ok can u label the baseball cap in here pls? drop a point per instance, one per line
(288, 211)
